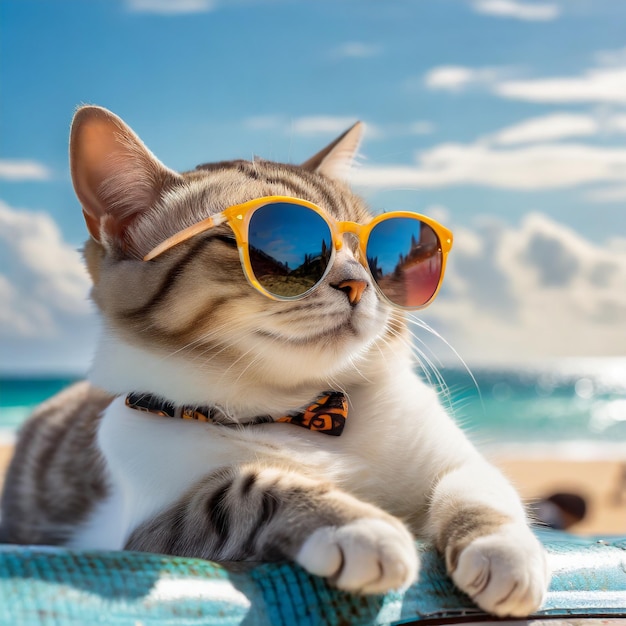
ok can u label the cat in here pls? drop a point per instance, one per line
(91, 471)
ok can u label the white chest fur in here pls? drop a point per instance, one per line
(382, 456)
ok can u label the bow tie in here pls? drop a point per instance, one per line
(327, 414)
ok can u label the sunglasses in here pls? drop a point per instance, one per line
(287, 246)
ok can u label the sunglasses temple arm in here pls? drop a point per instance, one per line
(181, 236)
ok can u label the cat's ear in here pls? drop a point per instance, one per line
(115, 176)
(336, 158)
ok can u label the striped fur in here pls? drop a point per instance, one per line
(92, 473)
(44, 495)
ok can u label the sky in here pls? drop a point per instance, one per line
(503, 119)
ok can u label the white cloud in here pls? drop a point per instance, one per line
(323, 124)
(534, 290)
(523, 156)
(21, 169)
(357, 50)
(438, 212)
(548, 128)
(46, 320)
(602, 85)
(538, 12)
(308, 125)
(457, 78)
(607, 194)
(617, 244)
(543, 166)
(560, 125)
(615, 124)
(328, 125)
(170, 7)
(422, 127)
(265, 122)
(611, 57)
(44, 276)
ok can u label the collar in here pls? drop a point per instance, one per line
(327, 414)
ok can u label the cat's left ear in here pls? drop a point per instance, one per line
(336, 158)
(116, 178)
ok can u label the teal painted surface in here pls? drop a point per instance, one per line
(44, 586)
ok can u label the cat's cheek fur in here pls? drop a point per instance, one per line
(184, 380)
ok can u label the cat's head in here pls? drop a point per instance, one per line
(193, 304)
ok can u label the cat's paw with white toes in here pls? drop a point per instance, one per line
(505, 573)
(367, 556)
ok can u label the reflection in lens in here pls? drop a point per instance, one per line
(290, 248)
(405, 259)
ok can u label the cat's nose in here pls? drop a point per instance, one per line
(353, 288)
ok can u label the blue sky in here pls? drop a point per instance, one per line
(505, 119)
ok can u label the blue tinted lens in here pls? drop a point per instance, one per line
(405, 259)
(290, 248)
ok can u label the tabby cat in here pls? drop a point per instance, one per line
(191, 333)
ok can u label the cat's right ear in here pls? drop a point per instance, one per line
(115, 176)
(337, 157)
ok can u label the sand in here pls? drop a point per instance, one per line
(601, 482)
(5, 457)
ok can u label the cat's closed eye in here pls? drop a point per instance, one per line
(228, 239)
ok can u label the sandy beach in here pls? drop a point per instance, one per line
(5, 457)
(601, 482)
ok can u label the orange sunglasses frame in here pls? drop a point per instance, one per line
(238, 218)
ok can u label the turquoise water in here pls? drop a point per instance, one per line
(565, 401)
(20, 395)
(571, 401)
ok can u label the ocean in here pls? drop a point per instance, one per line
(571, 408)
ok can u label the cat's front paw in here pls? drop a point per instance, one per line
(505, 573)
(368, 556)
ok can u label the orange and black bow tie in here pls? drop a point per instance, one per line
(327, 414)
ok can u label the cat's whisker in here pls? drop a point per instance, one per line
(406, 328)
(384, 356)
(215, 332)
(250, 364)
(190, 345)
(426, 365)
(423, 358)
(243, 355)
(429, 368)
(422, 324)
(354, 364)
